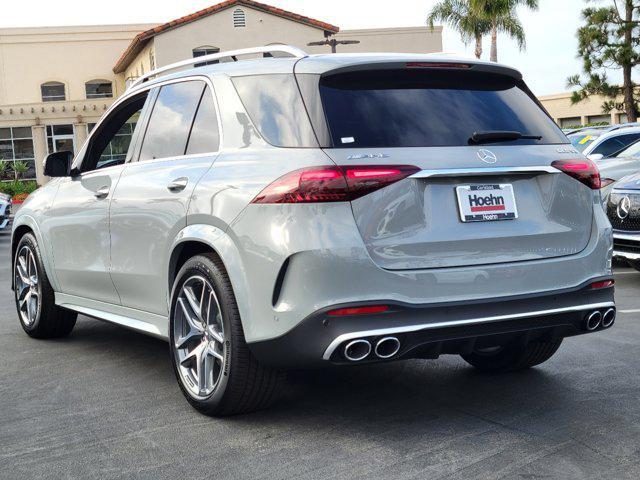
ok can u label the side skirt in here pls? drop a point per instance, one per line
(150, 323)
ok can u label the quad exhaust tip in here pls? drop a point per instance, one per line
(608, 318)
(387, 347)
(357, 350)
(593, 321)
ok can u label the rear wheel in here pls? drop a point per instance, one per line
(215, 369)
(510, 358)
(39, 316)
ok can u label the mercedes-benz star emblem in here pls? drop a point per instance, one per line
(487, 156)
(623, 208)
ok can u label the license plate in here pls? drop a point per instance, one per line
(486, 203)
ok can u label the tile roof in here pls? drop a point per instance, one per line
(140, 40)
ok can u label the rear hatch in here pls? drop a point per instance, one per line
(477, 202)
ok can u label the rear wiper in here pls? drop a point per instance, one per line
(479, 138)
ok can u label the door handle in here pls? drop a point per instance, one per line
(178, 184)
(102, 192)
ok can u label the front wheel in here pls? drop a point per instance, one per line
(215, 369)
(510, 358)
(39, 316)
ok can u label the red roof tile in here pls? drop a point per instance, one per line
(140, 40)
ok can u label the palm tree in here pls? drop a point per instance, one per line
(503, 18)
(468, 21)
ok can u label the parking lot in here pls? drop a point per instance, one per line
(103, 403)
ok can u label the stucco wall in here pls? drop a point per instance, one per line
(263, 28)
(404, 40)
(560, 108)
(72, 55)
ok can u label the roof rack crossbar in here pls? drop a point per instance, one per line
(233, 54)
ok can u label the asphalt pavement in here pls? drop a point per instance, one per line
(103, 403)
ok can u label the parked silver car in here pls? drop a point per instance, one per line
(618, 166)
(291, 212)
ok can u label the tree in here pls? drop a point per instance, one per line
(459, 14)
(503, 18)
(19, 167)
(475, 18)
(610, 39)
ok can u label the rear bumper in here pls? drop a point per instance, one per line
(426, 331)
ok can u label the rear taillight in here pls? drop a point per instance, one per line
(332, 183)
(583, 170)
(602, 284)
(366, 310)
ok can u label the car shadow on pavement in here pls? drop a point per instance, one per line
(411, 392)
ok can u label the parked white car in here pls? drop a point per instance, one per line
(5, 210)
(611, 143)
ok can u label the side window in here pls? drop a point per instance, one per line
(171, 120)
(110, 144)
(615, 144)
(204, 133)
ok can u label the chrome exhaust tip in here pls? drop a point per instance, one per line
(387, 347)
(593, 321)
(357, 350)
(608, 318)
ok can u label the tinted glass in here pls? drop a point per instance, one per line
(171, 119)
(632, 150)
(110, 142)
(115, 153)
(204, 133)
(418, 108)
(274, 104)
(613, 145)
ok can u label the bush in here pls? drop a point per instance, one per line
(17, 187)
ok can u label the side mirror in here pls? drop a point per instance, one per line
(595, 156)
(58, 164)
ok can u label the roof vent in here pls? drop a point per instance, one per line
(239, 18)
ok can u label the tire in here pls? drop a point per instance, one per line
(237, 383)
(39, 316)
(634, 264)
(513, 357)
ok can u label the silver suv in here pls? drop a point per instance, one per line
(300, 211)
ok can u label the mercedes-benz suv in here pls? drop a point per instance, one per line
(276, 213)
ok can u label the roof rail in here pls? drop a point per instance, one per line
(293, 51)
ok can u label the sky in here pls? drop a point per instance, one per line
(549, 58)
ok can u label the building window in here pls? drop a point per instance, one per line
(570, 122)
(52, 91)
(599, 119)
(205, 50)
(60, 138)
(239, 18)
(98, 89)
(16, 144)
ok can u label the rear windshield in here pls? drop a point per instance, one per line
(404, 108)
(582, 140)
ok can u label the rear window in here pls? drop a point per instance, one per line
(405, 108)
(581, 141)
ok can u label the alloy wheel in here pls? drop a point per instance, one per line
(198, 336)
(27, 286)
